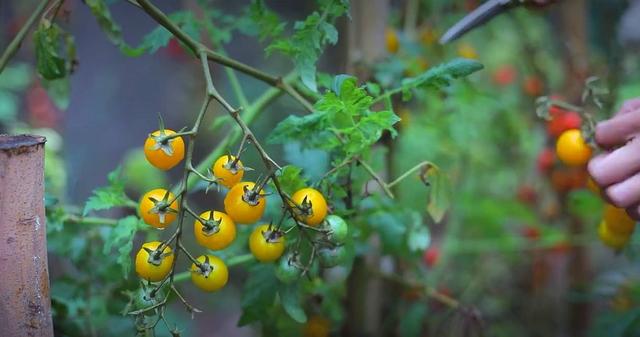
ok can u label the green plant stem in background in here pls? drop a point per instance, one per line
(248, 116)
(22, 34)
(75, 219)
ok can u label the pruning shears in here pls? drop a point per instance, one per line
(486, 12)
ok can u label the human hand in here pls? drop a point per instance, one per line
(617, 169)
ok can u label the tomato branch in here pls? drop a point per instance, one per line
(15, 44)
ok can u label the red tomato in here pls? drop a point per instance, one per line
(562, 121)
(431, 256)
(533, 85)
(527, 194)
(546, 159)
(531, 233)
(504, 75)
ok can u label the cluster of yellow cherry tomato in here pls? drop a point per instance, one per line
(244, 203)
(616, 227)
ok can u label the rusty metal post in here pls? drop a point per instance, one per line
(25, 306)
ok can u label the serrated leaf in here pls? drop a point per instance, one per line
(290, 299)
(159, 37)
(259, 293)
(48, 40)
(265, 22)
(440, 76)
(112, 195)
(291, 179)
(121, 236)
(439, 192)
(309, 39)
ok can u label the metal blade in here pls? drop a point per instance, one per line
(477, 17)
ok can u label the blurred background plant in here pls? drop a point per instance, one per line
(512, 244)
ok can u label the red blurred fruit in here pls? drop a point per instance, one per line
(560, 180)
(533, 85)
(174, 49)
(431, 256)
(40, 109)
(562, 121)
(531, 233)
(527, 194)
(546, 159)
(504, 75)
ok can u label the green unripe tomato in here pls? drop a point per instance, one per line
(144, 299)
(331, 257)
(286, 270)
(338, 229)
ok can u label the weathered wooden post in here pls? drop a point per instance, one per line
(25, 306)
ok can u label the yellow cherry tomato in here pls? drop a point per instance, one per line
(244, 206)
(391, 38)
(155, 210)
(163, 154)
(266, 244)
(467, 51)
(613, 240)
(428, 36)
(217, 232)
(311, 206)
(227, 172)
(152, 264)
(572, 149)
(618, 221)
(317, 326)
(211, 275)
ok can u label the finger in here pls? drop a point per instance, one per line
(613, 167)
(629, 105)
(634, 212)
(625, 193)
(618, 130)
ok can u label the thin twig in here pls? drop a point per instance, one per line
(15, 44)
(376, 177)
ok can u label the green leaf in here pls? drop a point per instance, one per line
(101, 12)
(309, 39)
(291, 179)
(266, 23)
(159, 37)
(121, 236)
(59, 91)
(439, 194)
(295, 128)
(259, 293)
(48, 44)
(440, 76)
(418, 237)
(290, 299)
(343, 111)
(109, 196)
